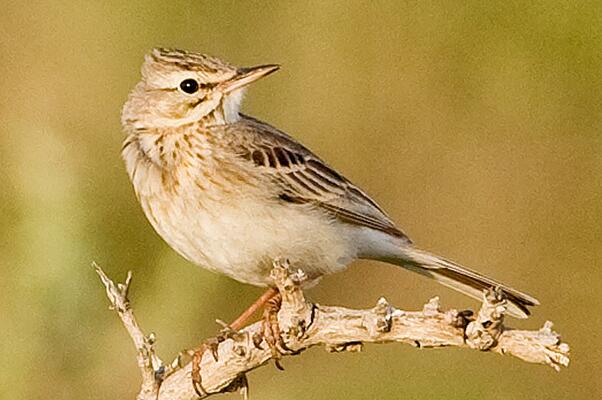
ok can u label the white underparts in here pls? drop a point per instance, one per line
(231, 104)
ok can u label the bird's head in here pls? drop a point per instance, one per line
(180, 87)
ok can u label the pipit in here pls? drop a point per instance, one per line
(231, 193)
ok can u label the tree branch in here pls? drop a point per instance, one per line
(304, 324)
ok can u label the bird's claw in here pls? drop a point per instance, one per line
(211, 344)
(197, 357)
(271, 331)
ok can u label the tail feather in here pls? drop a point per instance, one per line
(462, 279)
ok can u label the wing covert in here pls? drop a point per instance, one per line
(305, 178)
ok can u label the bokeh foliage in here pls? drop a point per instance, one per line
(476, 124)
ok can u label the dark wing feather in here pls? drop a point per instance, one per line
(305, 178)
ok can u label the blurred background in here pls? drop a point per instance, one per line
(475, 124)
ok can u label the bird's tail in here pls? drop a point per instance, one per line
(461, 279)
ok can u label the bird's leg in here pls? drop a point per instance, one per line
(269, 294)
(212, 344)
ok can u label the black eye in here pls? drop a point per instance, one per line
(189, 86)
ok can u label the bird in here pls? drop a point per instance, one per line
(231, 193)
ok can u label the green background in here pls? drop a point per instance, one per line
(475, 124)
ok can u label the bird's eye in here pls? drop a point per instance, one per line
(189, 86)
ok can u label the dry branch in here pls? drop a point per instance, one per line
(340, 329)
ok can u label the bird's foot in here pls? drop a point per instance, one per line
(212, 345)
(271, 331)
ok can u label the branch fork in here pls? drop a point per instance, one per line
(304, 324)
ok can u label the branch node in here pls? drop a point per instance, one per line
(384, 315)
(176, 364)
(433, 307)
(151, 339)
(243, 342)
(288, 283)
(160, 374)
(295, 313)
(459, 319)
(484, 331)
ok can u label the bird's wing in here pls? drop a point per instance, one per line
(304, 178)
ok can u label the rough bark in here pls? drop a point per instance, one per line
(304, 324)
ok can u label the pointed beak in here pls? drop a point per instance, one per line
(245, 76)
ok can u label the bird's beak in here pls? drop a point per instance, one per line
(245, 76)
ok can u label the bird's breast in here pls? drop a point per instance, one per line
(223, 216)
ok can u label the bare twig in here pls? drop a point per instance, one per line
(339, 329)
(150, 365)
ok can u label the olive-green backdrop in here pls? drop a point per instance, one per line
(477, 125)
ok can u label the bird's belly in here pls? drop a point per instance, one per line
(242, 237)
